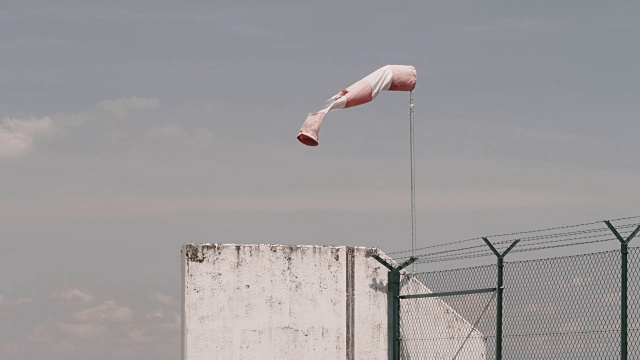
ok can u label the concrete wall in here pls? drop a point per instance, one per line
(286, 302)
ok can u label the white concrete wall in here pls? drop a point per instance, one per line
(286, 302)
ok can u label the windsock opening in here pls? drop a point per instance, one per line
(307, 140)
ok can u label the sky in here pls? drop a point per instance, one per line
(130, 128)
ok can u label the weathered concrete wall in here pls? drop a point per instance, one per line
(286, 302)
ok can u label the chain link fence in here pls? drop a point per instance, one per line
(570, 307)
(459, 325)
(556, 308)
(563, 307)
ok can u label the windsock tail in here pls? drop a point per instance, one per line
(309, 131)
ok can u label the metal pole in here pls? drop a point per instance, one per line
(499, 308)
(413, 180)
(624, 250)
(394, 297)
(500, 292)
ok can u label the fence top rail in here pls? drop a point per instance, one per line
(448, 293)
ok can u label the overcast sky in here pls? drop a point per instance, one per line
(130, 128)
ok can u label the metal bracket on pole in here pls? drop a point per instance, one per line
(496, 251)
(624, 250)
(382, 261)
(617, 234)
(407, 263)
(500, 291)
(393, 304)
(391, 267)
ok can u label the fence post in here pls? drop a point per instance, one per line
(393, 305)
(500, 292)
(624, 250)
(394, 298)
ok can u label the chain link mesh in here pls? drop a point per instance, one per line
(557, 308)
(450, 327)
(563, 308)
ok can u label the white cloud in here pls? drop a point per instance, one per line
(122, 106)
(175, 134)
(202, 137)
(10, 348)
(107, 330)
(84, 330)
(24, 300)
(88, 340)
(6, 302)
(74, 296)
(109, 311)
(166, 132)
(136, 336)
(161, 298)
(155, 314)
(41, 335)
(17, 136)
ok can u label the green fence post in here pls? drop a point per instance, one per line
(393, 305)
(500, 292)
(394, 296)
(624, 318)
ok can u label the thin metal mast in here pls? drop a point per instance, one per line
(413, 181)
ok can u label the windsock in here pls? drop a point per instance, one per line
(390, 77)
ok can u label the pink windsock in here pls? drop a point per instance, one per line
(390, 77)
